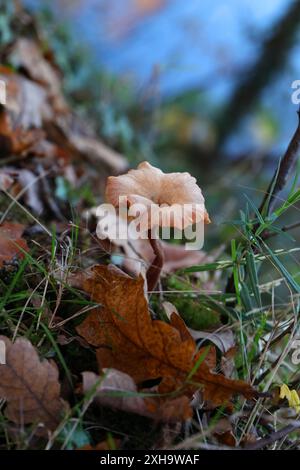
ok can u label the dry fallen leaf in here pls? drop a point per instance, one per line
(117, 390)
(5, 180)
(32, 196)
(104, 445)
(30, 386)
(99, 153)
(129, 340)
(175, 256)
(16, 140)
(26, 55)
(11, 241)
(224, 433)
(222, 339)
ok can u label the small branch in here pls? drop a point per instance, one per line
(276, 436)
(276, 185)
(286, 228)
(282, 173)
(154, 271)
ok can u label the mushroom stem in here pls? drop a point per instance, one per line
(154, 271)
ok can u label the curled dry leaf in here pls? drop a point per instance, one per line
(111, 382)
(36, 122)
(16, 140)
(32, 196)
(11, 242)
(26, 55)
(117, 390)
(223, 432)
(129, 340)
(178, 257)
(5, 180)
(30, 386)
(223, 339)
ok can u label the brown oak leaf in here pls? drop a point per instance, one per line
(11, 241)
(29, 386)
(117, 390)
(128, 339)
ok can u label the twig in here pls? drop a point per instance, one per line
(273, 437)
(286, 228)
(281, 175)
(276, 185)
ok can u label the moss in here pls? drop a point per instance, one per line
(195, 314)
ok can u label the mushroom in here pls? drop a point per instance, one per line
(164, 200)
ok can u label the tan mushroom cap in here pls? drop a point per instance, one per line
(172, 199)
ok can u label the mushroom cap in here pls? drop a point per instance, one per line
(164, 199)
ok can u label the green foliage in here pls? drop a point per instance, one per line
(195, 313)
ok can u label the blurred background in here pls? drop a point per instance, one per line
(200, 53)
(203, 86)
